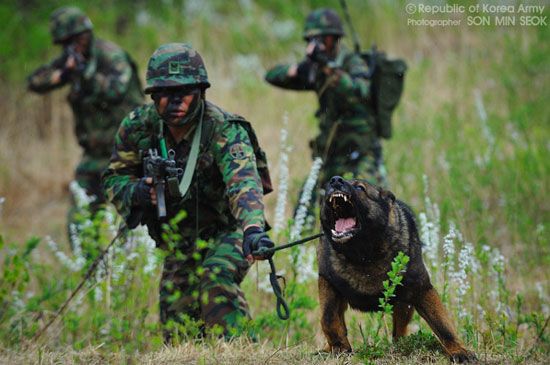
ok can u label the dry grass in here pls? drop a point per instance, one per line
(240, 352)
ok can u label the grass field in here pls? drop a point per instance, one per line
(470, 154)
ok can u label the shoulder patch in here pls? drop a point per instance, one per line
(236, 151)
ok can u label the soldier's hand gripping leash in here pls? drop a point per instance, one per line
(164, 173)
(282, 308)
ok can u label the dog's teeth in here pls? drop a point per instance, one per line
(345, 198)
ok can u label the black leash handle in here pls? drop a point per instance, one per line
(283, 311)
(282, 308)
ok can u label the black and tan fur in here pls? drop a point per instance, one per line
(352, 268)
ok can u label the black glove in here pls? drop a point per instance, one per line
(307, 72)
(255, 238)
(142, 194)
(303, 69)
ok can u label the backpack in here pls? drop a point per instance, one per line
(387, 79)
(261, 158)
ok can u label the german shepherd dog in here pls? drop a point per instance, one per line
(364, 228)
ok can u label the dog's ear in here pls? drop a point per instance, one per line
(387, 195)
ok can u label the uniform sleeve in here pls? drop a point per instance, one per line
(123, 172)
(111, 82)
(350, 82)
(278, 76)
(40, 80)
(237, 163)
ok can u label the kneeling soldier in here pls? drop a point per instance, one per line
(206, 162)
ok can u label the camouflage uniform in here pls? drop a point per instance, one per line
(102, 92)
(225, 196)
(347, 141)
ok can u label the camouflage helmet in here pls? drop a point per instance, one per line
(323, 22)
(68, 21)
(174, 65)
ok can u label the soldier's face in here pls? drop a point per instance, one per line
(80, 42)
(174, 104)
(327, 43)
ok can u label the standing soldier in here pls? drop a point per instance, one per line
(347, 142)
(221, 178)
(104, 88)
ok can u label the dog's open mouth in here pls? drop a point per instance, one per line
(343, 217)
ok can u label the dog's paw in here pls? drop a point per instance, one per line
(464, 356)
(337, 349)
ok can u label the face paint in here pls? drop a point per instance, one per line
(177, 106)
(79, 43)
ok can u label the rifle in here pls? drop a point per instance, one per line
(79, 59)
(73, 74)
(356, 45)
(318, 57)
(165, 174)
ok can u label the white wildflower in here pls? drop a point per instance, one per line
(249, 63)
(485, 130)
(82, 199)
(17, 301)
(430, 246)
(432, 213)
(198, 8)
(283, 30)
(442, 160)
(449, 246)
(261, 276)
(2, 200)
(305, 199)
(496, 262)
(100, 275)
(143, 17)
(246, 4)
(305, 264)
(474, 264)
(142, 238)
(110, 219)
(543, 298)
(76, 242)
(74, 265)
(284, 177)
(481, 313)
(460, 277)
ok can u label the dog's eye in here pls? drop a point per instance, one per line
(360, 188)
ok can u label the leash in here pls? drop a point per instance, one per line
(89, 273)
(283, 311)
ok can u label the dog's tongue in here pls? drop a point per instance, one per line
(344, 224)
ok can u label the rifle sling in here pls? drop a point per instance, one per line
(193, 157)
